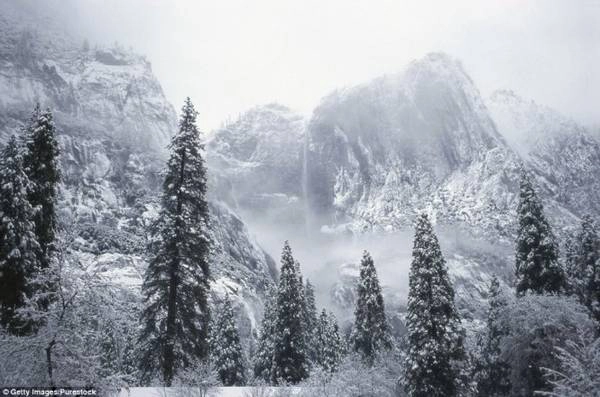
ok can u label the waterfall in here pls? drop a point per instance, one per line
(305, 183)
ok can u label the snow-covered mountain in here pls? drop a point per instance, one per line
(364, 163)
(372, 156)
(114, 125)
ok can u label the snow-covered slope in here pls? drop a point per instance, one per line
(564, 154)
(114, 124)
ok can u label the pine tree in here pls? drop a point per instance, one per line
(176, 283)
(263, 361)
(435, 336)
(329, 347)
(338, 339)
(310, 320)
(493, 378)
(370, 334)
(19, 248)
(290, 361)
(574, 285)
(226, 351)
(583, 266)
(40, 161)
(537, 268)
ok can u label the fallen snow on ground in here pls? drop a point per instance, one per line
(212, 392)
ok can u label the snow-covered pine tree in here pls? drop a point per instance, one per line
(176, 284)
(435, 335)
(301, 289)
(583, 266)
(537, 268)
(19, 248)
(493, 375)
(328, 343)
(226, 351)
(290, 361)
(337, 337)
(574, 278)
(310, 320)
(370, 333)
(40, 161)
(263, 361)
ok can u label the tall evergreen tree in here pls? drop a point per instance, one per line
(176, 283)
(19, 248)
(40, 161)
(493, 378)
(263, 361)
(370, 333)
(583, 266)
(435, 336)
(537, 268)
(328, 342)
(310, 320)
(226, 351)
(290, 361)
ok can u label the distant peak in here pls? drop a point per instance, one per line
(440, 57)
(438, 60)
(438, 66)
(274, 106)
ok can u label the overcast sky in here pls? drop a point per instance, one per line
(230, 55)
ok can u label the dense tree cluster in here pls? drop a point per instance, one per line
(29, 179)
(293, 339)
(57, 327)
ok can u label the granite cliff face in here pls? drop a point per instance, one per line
(417, 141)
(257, 164)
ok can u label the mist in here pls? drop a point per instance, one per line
(324, 256)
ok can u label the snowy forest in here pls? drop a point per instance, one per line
(407, 238)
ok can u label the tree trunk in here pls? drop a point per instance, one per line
(49, 361)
